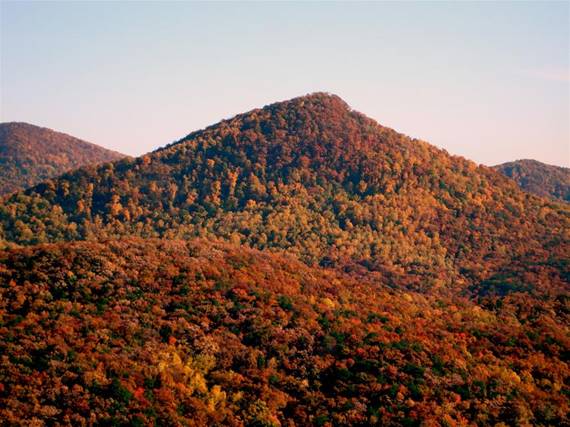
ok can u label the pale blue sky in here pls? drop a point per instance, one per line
(489, 80)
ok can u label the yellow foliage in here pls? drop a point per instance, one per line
(188, 376)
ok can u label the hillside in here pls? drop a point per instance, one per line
(325, 183)
(149, 332)
(30, 154)
(539, 178)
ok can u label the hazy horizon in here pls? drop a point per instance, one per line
(487, 81)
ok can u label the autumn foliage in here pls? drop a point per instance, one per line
(144, 332)
(30, 154)
(539, 178)
(315, 178)
(295, 265)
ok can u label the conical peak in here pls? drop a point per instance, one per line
(318, 100)
(321, 106)
(324, 98)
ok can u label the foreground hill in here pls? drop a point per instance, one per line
(30, 154)
(322, 181)
(539, 178)
(149, 332)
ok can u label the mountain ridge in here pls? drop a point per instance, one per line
(539, 178)
(30, 154)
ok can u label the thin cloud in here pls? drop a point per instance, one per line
(552, 74)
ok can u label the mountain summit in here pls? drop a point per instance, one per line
(312, 177)
(30, 154)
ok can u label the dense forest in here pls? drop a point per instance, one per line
(150, 332)
(298, 264)
(30, 154)
(539, 178)
(313, 177)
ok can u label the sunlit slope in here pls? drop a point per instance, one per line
(313, 177)
(146, 332)
(30, 154)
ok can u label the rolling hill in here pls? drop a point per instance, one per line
(539, 178)
(30, 154)
(151, 332)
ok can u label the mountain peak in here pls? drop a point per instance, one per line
(323, 98)
(314, 110)
(316, 101)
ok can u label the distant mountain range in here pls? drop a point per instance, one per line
(30, 154)
(298, 264)
(539, 178)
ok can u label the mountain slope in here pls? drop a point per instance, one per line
(539, 178)
(30, 154)
(148, 332)
(324, 182)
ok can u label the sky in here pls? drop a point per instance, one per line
(489, 81)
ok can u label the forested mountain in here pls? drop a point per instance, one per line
(298, 264)
(539, 178)
(148, 332)
(30, 154)
(324, 182)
